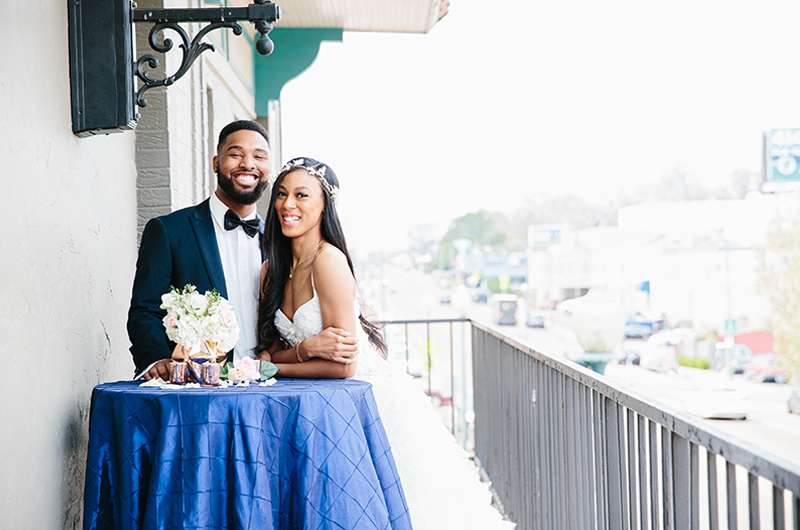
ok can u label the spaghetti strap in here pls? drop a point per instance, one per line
(314, 289)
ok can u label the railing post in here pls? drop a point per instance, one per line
(586, 456)
(680, 483)
(755, 515)
(631, 430)
(642, 436)
(600, 461)
(733, 516)
(654, 497)
(453, 386)
(694, 481)
(616, 501)
(713, 495)
(666, 480)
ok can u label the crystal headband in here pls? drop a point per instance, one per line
(317, 171)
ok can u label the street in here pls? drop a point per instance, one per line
(398, 294)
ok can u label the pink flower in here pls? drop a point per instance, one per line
(236, 375)
(172, 322)
(247, 364)
(228, 319)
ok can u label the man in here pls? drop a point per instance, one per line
(216, 244)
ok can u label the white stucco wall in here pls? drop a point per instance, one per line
(67, 255)
(72, 211)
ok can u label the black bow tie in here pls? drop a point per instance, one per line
(232, 221)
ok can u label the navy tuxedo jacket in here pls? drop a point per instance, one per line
(176, 250)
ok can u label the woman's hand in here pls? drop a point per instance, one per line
(332, 344)
(264, 356)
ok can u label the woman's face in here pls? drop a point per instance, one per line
(299, 204)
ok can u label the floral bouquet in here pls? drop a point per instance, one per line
(204, 326)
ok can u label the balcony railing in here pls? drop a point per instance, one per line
(567, 449)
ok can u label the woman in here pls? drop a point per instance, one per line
(308, 325)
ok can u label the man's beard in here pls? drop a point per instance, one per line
(237, 196)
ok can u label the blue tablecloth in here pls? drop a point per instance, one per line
(299, 454)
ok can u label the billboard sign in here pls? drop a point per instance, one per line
(543, 236)
(782, 155)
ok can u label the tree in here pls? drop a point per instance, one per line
(486, 230)
(780, 281)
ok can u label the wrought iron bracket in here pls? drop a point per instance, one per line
(102, 69)
(263, 13)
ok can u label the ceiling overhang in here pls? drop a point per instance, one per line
(389, 16)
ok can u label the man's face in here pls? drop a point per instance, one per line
(242, 167)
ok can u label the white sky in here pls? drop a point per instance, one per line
(506, 101)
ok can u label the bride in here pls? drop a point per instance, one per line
(310, 324)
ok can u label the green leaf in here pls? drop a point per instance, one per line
(223, 371)
(268, 370)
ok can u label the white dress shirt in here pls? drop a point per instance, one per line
(241, 263)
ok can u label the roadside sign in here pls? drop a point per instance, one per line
(782, 155)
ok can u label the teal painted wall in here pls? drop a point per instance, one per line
(295, 50)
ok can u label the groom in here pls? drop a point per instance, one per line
(216, 244)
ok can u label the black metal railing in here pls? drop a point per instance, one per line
(567, 449)
(434, 347)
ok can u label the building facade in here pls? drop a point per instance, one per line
(697, 263)
(74, 208)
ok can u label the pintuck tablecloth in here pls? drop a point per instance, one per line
(305, 454)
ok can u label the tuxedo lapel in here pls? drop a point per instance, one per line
(203, 225)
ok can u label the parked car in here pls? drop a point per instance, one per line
(732, 358)
(437, 399)
(627, 356)
(534, 321)
(480, 296)
(638, 331)
(765, 368)
(505, 309)
(660, 353)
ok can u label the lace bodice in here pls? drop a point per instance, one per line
(307, 322)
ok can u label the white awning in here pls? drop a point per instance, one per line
(389, 16)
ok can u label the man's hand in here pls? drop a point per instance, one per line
(160, 369)
(332, 344)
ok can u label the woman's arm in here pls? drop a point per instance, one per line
(331, 353)
(336, 288)
(292, 367)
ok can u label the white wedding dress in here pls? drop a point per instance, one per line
(442, 486)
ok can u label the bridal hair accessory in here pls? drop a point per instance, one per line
(317, 171)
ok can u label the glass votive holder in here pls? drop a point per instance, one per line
(211, 374)
(177, 373)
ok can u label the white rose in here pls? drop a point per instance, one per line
(167, 301)
(198, 303)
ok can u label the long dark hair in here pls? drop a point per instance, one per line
(279, 254)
